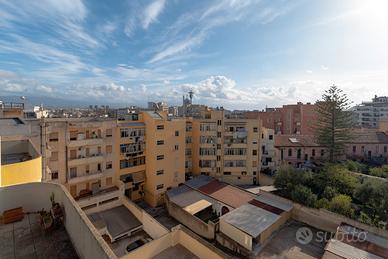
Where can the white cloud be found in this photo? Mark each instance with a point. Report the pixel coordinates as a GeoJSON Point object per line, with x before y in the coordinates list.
{"type": "Point", "coordinates": [45, 89]}
{"type": "Point", "coordinates": [324, 67]}
{"type": "Point", "coordinates": [151, 13]}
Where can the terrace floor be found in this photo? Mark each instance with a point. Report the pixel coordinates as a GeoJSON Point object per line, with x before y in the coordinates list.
{"type": "Point", "coordinates": [285, 245]}
{"type": "Point", "coordinates": [26, 239]}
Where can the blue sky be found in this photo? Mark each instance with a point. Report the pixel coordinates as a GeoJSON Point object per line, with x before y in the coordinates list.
{"type": "Point", "coordinates": [239, 54]}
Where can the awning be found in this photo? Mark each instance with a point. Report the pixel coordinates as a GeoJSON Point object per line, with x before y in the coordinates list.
{"type": "Point", "coordinates": [197, 206]}
{"type": "Point", "coordinates": [138, 177]}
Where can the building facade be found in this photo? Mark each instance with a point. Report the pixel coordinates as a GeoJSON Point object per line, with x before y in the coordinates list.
{"type": "Point", "coordinates": [289, 119]}
{"type": "Point", "coordinates": [224, 148]}
{"type": "Point", "coordinates": [368, 114]}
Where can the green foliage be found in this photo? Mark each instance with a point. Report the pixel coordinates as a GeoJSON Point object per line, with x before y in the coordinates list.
{"type": "Point", "coordinates": [322, 203]}
{"type": "Point", "coordinates": [342, 204]}
{"type": "Point", "coordinates": [341, 179]}
{"type": "Point", "coordinates": [379, 171]}
{"type": "Point", "coordinates": [303, 195]}
{"type": "Point", "coordinates": [334, 121]}
{"type": "Point", "coordinates": [354, 166]}
{"type": "Point", "coordinates": [329, 193]}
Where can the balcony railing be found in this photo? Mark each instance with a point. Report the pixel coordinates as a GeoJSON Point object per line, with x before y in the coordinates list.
{"type": "Point", "coordinates": [94, 158]}
{"type": "Point", "coordinates": [77, 178]}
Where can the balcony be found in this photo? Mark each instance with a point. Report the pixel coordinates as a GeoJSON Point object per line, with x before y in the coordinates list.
{"type": "Point", "coordinates": [86, 142]}
{"type": "Point", "coordinates": [89, 176]}
{"type": "Point", "coordinates": [100, 197]}
{"type": "Point", "coordinates": [94, 158]}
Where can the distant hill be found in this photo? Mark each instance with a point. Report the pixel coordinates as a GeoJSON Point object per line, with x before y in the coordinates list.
{"type": "Point", "coordinates": [52, 102]}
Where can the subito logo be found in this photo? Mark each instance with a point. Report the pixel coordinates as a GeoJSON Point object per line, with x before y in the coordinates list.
{"type": "Point", "coordinates": [304, 235]}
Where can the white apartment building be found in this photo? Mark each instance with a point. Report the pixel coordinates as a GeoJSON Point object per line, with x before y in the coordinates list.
{"type": "Point", "coordinates": [368, 114]}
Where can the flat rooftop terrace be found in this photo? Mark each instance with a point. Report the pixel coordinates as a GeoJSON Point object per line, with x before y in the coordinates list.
{"type": "Point", "coordinates": [177, 251]}
{"type": "Point", "coordinates": [284, 244]}
{"type": "Point", "coordinates": [26, 239]}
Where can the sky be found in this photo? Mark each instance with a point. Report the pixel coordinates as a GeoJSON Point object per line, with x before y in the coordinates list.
{"type": "Point", "coordinates": [240, 54]}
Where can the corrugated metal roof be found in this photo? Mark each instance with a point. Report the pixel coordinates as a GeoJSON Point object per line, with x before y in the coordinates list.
{"type": "Point", "coordinates": [184, 196]}
{"type": "Point", "coordinates": [283, 205]}
{"type": "Point", "coordinates": [347, 251]}
{"type": "Point", "coordinates": [250, 219]}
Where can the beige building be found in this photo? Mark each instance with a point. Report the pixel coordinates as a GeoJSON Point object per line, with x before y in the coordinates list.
{"type": "Point", "coordinates": [225, 148]}
{"type": "Point", "coordinates": [141, 156]}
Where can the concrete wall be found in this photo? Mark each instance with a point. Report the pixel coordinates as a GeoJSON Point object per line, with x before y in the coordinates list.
{"type": "Point", "coordinates": [35, 196]}
{"type": "Point", "coordinates": [190, 221]}
{"type": "Point", "coordinates": [329, 221]}
{"type": "Point", "coordinates": [266, 180]}
{"type": "Point", "coordinates": [150, 225]}
{"type": "Point", "coordinates": [237, 235]}
{"type": "Point", "coordinates": [182, 236]}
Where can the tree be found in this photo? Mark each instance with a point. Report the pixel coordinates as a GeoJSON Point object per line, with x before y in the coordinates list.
{"type": "Point", "coordinates": [303, 195]}
{"type": "Point", "coordinates": [342, 204]}
{"type": "Point", "coordinates": [334, 122]}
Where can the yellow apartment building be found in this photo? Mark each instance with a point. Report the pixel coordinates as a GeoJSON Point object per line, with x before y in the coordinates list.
{"type": "Point", "coordinates": [226, 148]}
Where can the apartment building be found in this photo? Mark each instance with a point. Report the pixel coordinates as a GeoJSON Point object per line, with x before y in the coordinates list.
{"type": "Point", "coordinates": [369, 114]}
{"type": "Point", "coordinates": [268, 151]}
{"type": "Point", "coordinates": [225, 148]}
{"type": "Point", "coordinates": [79, 154]}
{"type": "Point", "coordinates": [151, 156]}
{"type": "Point", "coordinates": [11, 110]}
{"type": "Point", "coordinates": [289, 119]}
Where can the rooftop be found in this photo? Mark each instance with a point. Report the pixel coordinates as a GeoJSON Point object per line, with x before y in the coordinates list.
{"type": "Point", "coordinates": [118, 221]}
{"type": "Point", "coordinates": [250, 219]}
{"type": "Point", "coordinates": [295, 141]}
{"type": "Point", "coordinates": [25, 239]}
{"type": "Point", "coordinates": [177, 251]}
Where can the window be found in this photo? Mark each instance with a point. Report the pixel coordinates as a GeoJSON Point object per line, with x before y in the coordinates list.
{"type": "Point", "coordinates": [124, 133]}
{"type": "Point", "coordinates": [254, 163]}
{"type": "Point", "coordinates": [160, 142]}
{"type": "Point", "coordinates": [362, 149]}
{"type": "Point", "coordinates": [108, 133]}
{"type": "Point", "coordinates": [218, 158]}
{"type": "Point", "coordinates": [126, 163]}
{"type": "Point", "coordinates": [176, 133]}
{"type": "Point", "coordinates": [289, 152]}
{"type": "Point", "coordinates": [176, 147]}
{"type": "Point", "coordinates": [160, 127]}
{"type": "Point", "coordinates": [188, 152]}
{"type": "Point", "coordinates": [108, 149]}
{"type": "Point", "coordinates": [254, 152]}
{"type": "Point", "coordinates": [207, 151]}
{"type": "Point", "coordinates": [270, 137]}
{"type": "Point", "coordinates": [218, 146]}
{"type": "Point", "coordinates": [255, 129]}
{"type": "Point", "coordinates": [108, 181]}
{"type": "Point", "coordinates": [313, 152]}
{"type": "Point", "coordinates": [160, 157]}
{"type": "Point", "coordinates": [73, 172]}
{"type": "Point", "coordinates": [53, 137]}
{"type": "Point", "coordinates": [218, 134]}
{"type": "Point", "coordinates": [299, 153]}
{"type": "Point", "coordinates": [322, 152]}
{"type": "Point", "coordinates": [159, 186]}
{"type": "Point", "coordinates": [219, 122]}
{"type": "Point", "coordinates": [108, 165]}
{"type": "Point", "coordinates": [159, 172]}
{"type": "Point", "coordinates": [54, 156]}
{"type": "Point", "coordinates": [54, 175]}
{"type": "Point", "coordinates": [227, 173]}
{"type": "Point", "coordinates": [354, 149]}
{"type": "Point", "coordinates": [235, 151]}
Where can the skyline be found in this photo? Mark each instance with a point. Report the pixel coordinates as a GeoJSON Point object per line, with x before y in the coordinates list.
{"type": "Point", "coordinates": [236, 54]}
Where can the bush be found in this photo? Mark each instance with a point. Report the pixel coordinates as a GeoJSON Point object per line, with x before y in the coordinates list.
{"type": "Point", "coordinates": [303, 195]}
{"type": "Point", "coordinates": [329, 192]}
{"type": "Point", "coordinates": [354, 166]}
{"type": "Point", "coordinates": [341, 179]}
{"type": "Point", "coordinates": [322, 203]}
{"type": "Point", "coordinates": [342, 204]}
{"type": "Point", "coordinates": [379, 171]}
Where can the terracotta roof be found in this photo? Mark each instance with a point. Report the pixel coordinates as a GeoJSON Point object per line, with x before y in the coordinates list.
{"type": "Point", "coordinates": [226, 193]}
{"type": "Point", "coordinates": [295, 141]}
{"type": "Point", "coordinates": [370, 136]}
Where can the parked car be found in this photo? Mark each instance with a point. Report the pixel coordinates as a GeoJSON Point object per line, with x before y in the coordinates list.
{"type": "Point", "coordinates": [134, 245]}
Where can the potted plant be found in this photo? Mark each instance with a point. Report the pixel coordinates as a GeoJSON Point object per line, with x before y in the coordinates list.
{"type": "Point", "coordinates": [55, 206]}
{"type": "Point", "coordinates": [46, 220]}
